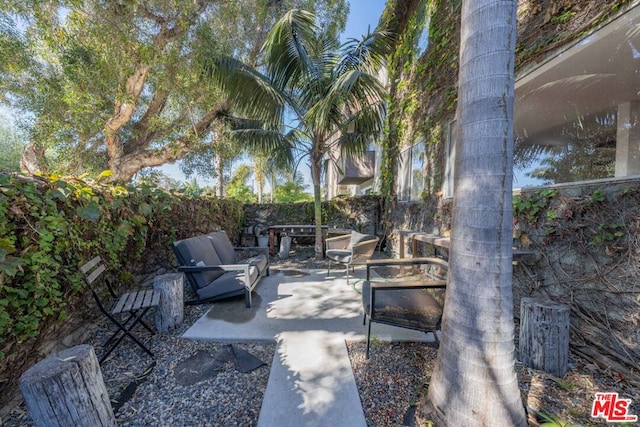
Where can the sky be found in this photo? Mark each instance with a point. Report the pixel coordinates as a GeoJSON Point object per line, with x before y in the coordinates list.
{"type": "Point", "coordinates": [362, 15]}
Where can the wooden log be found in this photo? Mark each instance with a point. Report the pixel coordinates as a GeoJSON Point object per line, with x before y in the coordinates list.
{"type": "Point", "coordinates": [67, 389]}
{"type": "Point", "coordinates": [607, 363]}
{"type": "Point", "coordinates": [544, 335]}
{"type": "Point", "coordinates": [170, 311]}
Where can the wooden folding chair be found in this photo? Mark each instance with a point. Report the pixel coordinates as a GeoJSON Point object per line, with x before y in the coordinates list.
{"type": "Point", "coordinates": [134, 303]}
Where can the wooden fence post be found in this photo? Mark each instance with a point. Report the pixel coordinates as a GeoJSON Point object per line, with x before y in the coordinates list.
{"type": "Point", "coordinates": [67, 390]}
{"type": "Point", "coordinates": [544, 335]}
{"type": "Point", "coordinates": [170, 311]}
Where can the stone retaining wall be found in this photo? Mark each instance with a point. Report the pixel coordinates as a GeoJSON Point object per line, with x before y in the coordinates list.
{"type": "Point", "coordinates": [355, 213]}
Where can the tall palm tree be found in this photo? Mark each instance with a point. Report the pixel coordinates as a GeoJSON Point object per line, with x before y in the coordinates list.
{"type": "Point", "coordinates": [330, 95]}
{"type": "Point", "coordinates": [474, 381]}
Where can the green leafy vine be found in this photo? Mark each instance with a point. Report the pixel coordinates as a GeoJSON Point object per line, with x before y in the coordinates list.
{"type": "Point", "coordinates": [52, 225]}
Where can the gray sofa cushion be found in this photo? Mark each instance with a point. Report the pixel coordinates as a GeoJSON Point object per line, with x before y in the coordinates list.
{"type": "Point", "coordinates": [228, 283]}
{"type": "Point", "coordinates": [339, 255]}
{"type": "Point", "coordinates": [199, 250]}
{"type": "Point", "coordinates": [357, 238]}
{"type": "Point", "coordinates": [231, 282]}
{"type": "Point", "coordinates": [227, 253]}
{"type": "Point", "coordinates": [223, 247]}
{"type": "Point", "coordinates": [258, 261]}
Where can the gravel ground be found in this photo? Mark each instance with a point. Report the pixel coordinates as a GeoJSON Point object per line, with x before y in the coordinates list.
{"type": "Point", "coordinates": [223, 396]}
{"type": "Point", "coordinates": [392, 383]}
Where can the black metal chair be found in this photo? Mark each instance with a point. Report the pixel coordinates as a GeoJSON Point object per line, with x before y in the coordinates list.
{"type": "Point", "coordinates": [135, 304]}
{"type": "Point", "coordinates": [404, 303]}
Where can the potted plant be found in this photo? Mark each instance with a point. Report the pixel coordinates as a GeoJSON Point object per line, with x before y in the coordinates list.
{"type": "Point", "coordinates": [262, 234]}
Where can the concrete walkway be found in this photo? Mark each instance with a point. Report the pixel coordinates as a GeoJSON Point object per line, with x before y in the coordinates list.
{"type": "Point", "coordinates": [310, 315]}
{"type": "Point", "coordinates": [311, 383]}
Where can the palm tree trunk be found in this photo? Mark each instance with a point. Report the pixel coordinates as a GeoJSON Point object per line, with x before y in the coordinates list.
{"type": "Point", "coordinates": [316, 167]}
{"type": "Point", "coordinates": [259, 173]}
{"type": "Point", "coordinates": [474, 381]}
{"type": "Point", "coordinates": [272, 180]}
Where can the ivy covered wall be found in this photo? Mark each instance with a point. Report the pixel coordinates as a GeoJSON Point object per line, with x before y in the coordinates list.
{"type": "Point", "coordinates": [584, 236]}
{"type": "Point", "coordinates": [423, 90]}
{"type": "Point", "coordinates": [50, 226]}
{"type": "Point", "coordinates": [404, 21]}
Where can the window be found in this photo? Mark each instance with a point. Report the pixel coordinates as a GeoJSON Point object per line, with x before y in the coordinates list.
{"type": "Point", "coordinates": [411, 173]}
{"type": "Point", "coordinates": [423, 40]}
{"type": "Point", "coordinates": [577, 116]}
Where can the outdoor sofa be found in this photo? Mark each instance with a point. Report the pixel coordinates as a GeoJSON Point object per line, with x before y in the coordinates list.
{"type": "Point", "coordinates": [213, 271]}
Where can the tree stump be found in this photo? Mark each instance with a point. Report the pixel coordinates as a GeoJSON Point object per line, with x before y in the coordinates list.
{"type": "Point", "coordinates": [170, 311]}
{"type": "Point", "coordinates": [285, 247]}
{"type": "Point", "coordinates": [67, 389]}
{"type": "Point", "coordinates": [544, 335]}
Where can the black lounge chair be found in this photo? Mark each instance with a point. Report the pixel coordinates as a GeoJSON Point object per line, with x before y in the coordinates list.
{"type": "Point", "coordinates": [406, 304]}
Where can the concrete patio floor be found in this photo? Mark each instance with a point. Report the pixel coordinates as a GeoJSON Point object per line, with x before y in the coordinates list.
{"type": "Point", "coordinates": [310, 314]}
{"type": "Point", "coordinates": [296, 300]}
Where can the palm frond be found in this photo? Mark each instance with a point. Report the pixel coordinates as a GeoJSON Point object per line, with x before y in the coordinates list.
{"type": "Point", "coordinates": [368, 53]}
{"type": "Point", "coordinates": [357, 85]}
{"type": "Point", "coordinates": [281, 148]}
{"type": "Point", "coordinates": [250, 92]}
{"type": "Point", "coordinates": [259, 139]}
{"type": "Point", "coordinates": [362, 128]}
{"type": "Point", "coordinates": [285, 49]}
{"type": "Point", "coordinates": [526, 153]}
{"type": "Point", "coordinates": [321, 74]}
{"type": "Point", "coordinates": [348, 95]}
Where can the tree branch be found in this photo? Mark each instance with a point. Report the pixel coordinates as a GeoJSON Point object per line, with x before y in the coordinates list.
{"type": "Point", "coordinates": [156, 106]}
{"type": "Point", "coordinates": [124, 110]}
{"type": "Point", "coordinates": [135, 160]}
{"type": "Point", "coordinates": [168, 33]}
